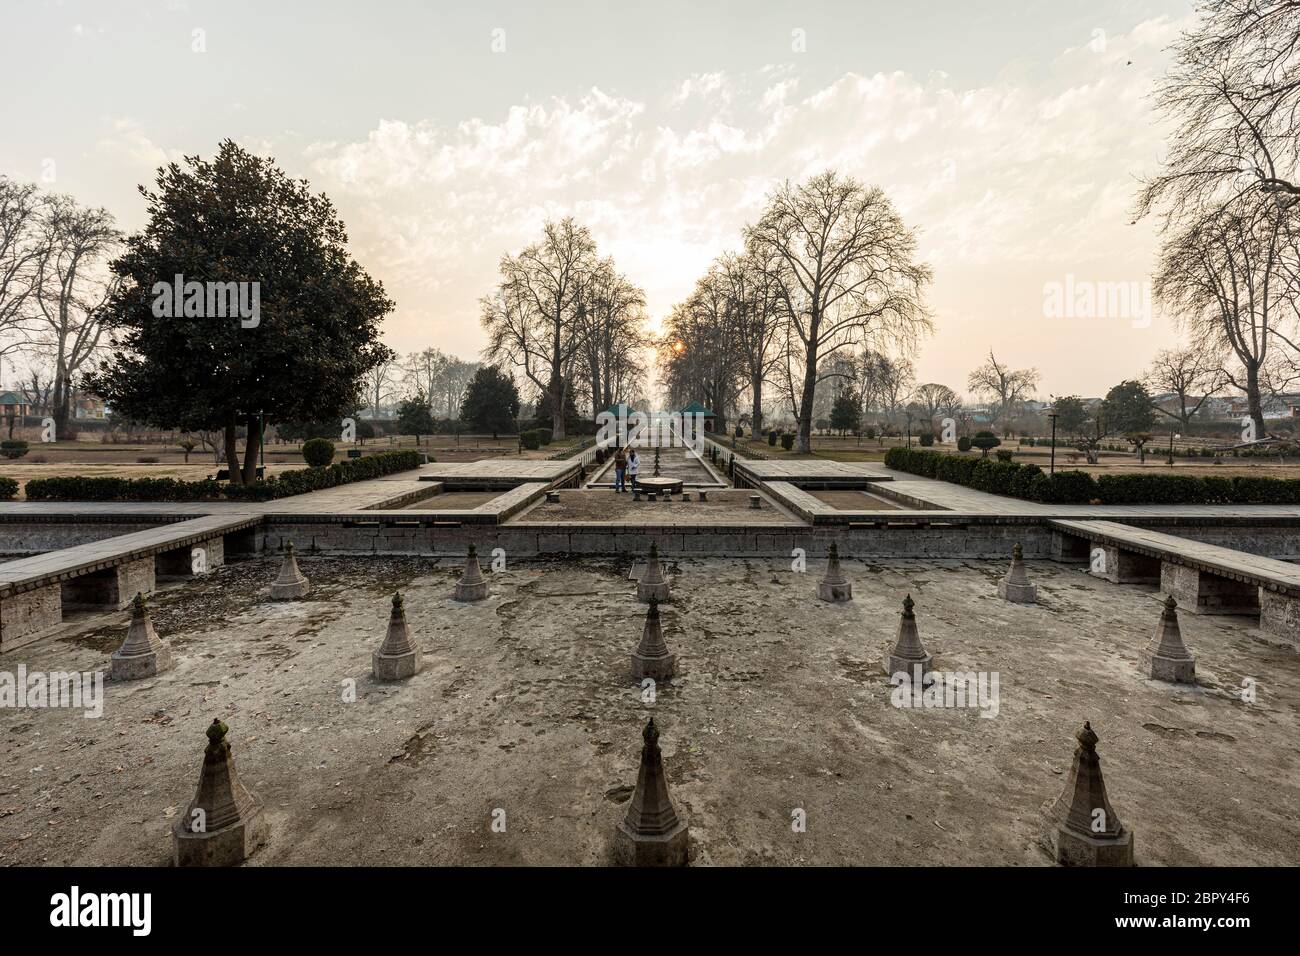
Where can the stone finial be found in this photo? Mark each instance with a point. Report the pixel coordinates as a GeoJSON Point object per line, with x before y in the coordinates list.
{"type": "Point", "coordinates": [143, 653]}
{"type": "Point", "coordinates": [1166, 657]}
{"type": "Point", "coordinates": [651, 834]}
{"type": "Point", "coordinates": [1015, 587]}
{"type": "Point", "coordinates": [398, 657]}
{"type": "Point", "coordinates": [1086, 829]}
{"type": "Point", "coordinates": [291, 584]}
{"type": "Point", "coordinates": [834, 586]}
{"type": "Point", "coordinates": [224, 823]}
{"type": "Point", "coordinates": [652, 583]}
{"type": "Point", "coordinates": [652, 657]}
{"type": "Point", "coordinates": [472, 586]}
{"type": "Point", "coordinates": [908, 652]}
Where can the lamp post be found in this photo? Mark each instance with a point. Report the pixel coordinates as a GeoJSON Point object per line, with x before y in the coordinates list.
{"type": "Point", "coordinates": [1172, 436]}
{"type": "Point", "coordinates": [1052, 467]}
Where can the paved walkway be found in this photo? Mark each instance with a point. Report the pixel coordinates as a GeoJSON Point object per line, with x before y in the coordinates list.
{"type": "Point", "coordinates": [1266, 572]}
{"type": "Point", "coordinates": [41, 569]}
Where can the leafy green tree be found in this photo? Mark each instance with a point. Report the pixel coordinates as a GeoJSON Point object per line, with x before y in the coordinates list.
{"type": "Point", "coordinates": [306, 330]}
{"type": "Point", "coordinates": [984, 441]}
{"type": "Point", "coordinates": [491, 402]}
{"type": "Point", "coordinates": [845, 414]}
{"type": "Point", "coordinates": [414, 417]}
{"type": "Point", "coordinates": [1071, 414]}
{"type": "Point", "coordinates": [1128, 411]}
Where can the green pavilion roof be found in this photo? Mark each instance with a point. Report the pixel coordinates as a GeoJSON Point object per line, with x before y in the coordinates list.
{"type": "Point", "coordinates": [695, 408]}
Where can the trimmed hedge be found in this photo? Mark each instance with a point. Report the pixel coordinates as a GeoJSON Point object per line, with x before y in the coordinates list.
{"type": "Point", "coordinates": [1079, 487]}
{"type": "Point", "coordinates": [8, 488]}
{"type": "Point", "coordinates": [74, 488]}
{"type": "Point", "coordinates": [170, 489]}
{"type": "Point", "coordinates": [315, 479]}
{"type": "Point", "coordinates": [996, 477]}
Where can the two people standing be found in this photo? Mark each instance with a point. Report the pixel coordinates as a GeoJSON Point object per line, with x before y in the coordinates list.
{"type": "Point", "coordinates": [625, 465]}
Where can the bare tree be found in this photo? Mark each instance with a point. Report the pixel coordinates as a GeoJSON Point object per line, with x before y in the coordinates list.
{"type": "Point", "coordinates": [1190, 375]}
{"type": "Point", "coordinates": [613, 335]}
{"type": "Point", "coordinates": [381, 384]}
{"type": "Point", "coordinates": [934, 398]}
{"type": "Point", "coordinates": [1233, 98]}
{"type": "Point", "coordinates": [893, 378]}
{"type": "Point", "coordinates": [533, 318]}
{"type": "Point", "coordinates": [699, 355]}
{"type": "Point", "coordinates": [1223, 278]}
{"type": "Point", "coordinates": [1003, 385]}
{"type": "Point", "coordinates": [753, 289]}
{"type": "Point", "coordinates": [846, 272]}
{"type": "Point", "coordinates": [21, 208]}
{"type": "Point", "coordinates": [72, 287]}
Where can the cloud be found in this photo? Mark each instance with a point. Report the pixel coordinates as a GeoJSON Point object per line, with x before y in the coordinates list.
{"type": "Point", "coordinates": [1011, 183]}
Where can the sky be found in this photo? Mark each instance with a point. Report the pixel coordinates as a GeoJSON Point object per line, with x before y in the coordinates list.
{"type": "Point", "coordinates": [1012, 136]}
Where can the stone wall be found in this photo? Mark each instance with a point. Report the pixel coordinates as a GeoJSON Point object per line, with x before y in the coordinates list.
{"type": "Point", "coordinates": [37, 537]}
{"type": "Point", "coordinates": [993, 540]}
{"type": "Point", "coordinates": [25, 617]}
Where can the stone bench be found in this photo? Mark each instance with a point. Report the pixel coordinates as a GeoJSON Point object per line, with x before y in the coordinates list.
{"type": "Point", "coordinates": [1202, 578]}
{"type": "Point", "coordinates": [107, 574]}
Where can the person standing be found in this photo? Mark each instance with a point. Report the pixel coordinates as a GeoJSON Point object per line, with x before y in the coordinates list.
{"type": "Point", "coordinates": [633, 463]}
{"type": "Point", "coordinates": [620, 468]}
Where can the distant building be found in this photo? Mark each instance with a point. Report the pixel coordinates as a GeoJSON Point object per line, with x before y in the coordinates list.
{"type": "Point", "coordinates": [13, 405]}
{"type": "Point", "coordinates": [695, 408]}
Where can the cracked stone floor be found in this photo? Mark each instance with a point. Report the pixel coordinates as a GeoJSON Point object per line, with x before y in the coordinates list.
{"type": "Point", "coordinates": [524, 705]}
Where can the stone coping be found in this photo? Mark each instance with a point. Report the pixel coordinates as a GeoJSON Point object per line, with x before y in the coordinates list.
{"type": "Point", "coordinates": [1268, 573]}
{"type": "Point", "coordinates": [42, 569]}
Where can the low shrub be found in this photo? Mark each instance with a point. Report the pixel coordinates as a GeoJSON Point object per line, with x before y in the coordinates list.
{"type": "Point", "coordinates": [13, 448]}
{"type": "Point", "coordinates": [771, 438]}
{"type": "Point", "coordinates": [8, 489]}
{"type": "Point", "coordinates": [927, 439]}
{"type": "Point", "coordinates": [318, 452]}
{"type": "Point", "coordinates": [1003, 454]}
{"type": "Point", "coordinates": [963, 443]}
{"type": "Point", "coordinates": [787, 441]}
{"type": "Point", "coordinates": [544, 435]}
{"type": "Point", "coordinates": [530, 440]}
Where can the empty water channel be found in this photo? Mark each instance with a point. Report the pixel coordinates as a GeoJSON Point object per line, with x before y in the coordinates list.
{"type": "Point", "coordinates": [675, 462]}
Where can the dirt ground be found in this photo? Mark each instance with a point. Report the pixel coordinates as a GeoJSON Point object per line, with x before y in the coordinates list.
{"type": "Point", "coordinates": [856, 501]}
{"type": "Point", "coordinates": [454, 500]}
{"type": "Point", "coordinates": [725, 506]}
{"type": "Point", "coordinates": [525, 706]}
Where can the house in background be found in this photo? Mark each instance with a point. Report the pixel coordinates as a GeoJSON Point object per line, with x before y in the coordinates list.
{"type": "Point", "coordinates": [88, 408]}
{"type": "Point", "coordinates": [13, 405]}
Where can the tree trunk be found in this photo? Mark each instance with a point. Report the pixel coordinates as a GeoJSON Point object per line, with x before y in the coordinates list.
{"type": "Point", "coordinates": [756, 386]}
{"type": "Point", "coordinates": [557, 411]}
{"type": "Point", "coordinates": [252, 445]}
{"type": "Point", "coordinates": [803, 441]}
{"type": "Point", "coordinates": [232, 454]}
{"type": "Point", "coordinates": [1252, 397]}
